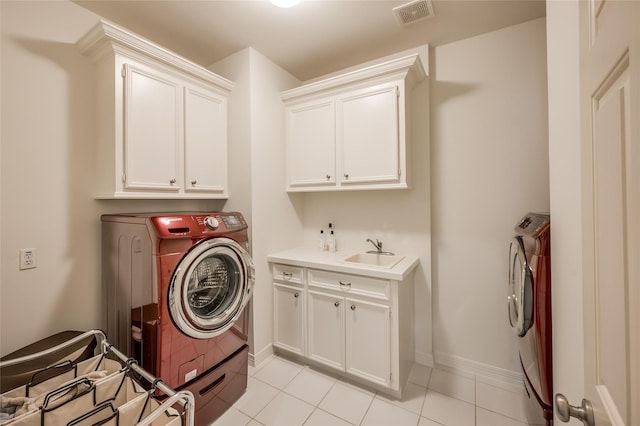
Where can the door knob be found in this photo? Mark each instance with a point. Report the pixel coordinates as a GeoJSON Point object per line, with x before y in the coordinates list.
{"type": "Point", "coordinates": [566, 411]}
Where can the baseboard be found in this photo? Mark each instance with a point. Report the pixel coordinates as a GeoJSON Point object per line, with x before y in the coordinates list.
{"type": "Point", "coordinates": [484, 373]}
{"type": "Point", "coordinates": [424, 358]}
{"type": "Point", "coordinates": [256, 359]}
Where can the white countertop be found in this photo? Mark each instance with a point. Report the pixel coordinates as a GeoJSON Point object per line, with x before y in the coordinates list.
{"type": "Point", "coordinates": [312, 258]}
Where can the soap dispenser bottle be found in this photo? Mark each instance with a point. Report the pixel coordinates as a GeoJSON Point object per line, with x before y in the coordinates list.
{"type": "Point", "coordinates": [322, 246]}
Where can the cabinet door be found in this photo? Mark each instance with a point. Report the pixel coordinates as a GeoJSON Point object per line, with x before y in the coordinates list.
{"type": "Point", "coordinates": [289, 322]}
{"type": "Point", "coordinates": [311, 144]}
{"type": "Point", "coordinates": [368, 135]}
{"type": "Point", "coordinates": [151, 129]}
{"type": "Point", "coordinates": [368, 333]}
{"type": "Point", "coordinates": [326, 329]}
{"type": "Point", "coordinates": [205, 141]}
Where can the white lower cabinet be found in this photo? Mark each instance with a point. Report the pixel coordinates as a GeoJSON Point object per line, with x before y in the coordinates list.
{"type": "Point", "coordinates": [368, 340]}
{"type": "Point", "coordinates": [289, 309]}
{"type": "Point", "coordinates": [326, 329]}
{"type": "Point", "coordinates": [357, 326]}
{"type": "Point", "coordinates": [289, 318]}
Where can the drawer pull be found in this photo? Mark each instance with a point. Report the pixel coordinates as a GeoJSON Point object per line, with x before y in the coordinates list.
{"type": "Point", "coordinates": [344, 284]}
{"type": "Point", "coordinates": [287, 275]}
{"type": "Point", "coordinates": [353, 307]}
{"type": "Point", "coordinates": [336, 304]}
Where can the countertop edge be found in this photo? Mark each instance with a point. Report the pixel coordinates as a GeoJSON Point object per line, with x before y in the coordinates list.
{"type": "Point", "coordinates": [307, 258]}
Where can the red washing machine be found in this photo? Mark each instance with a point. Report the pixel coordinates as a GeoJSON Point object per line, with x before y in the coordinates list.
{"type": "Point", "coordinates": [529, 306]}
{"type": "Point", "coordinates": [178, 287]}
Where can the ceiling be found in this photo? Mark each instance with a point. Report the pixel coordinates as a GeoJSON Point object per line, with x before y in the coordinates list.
{"type": "Point", "coordinates": [316, 37]}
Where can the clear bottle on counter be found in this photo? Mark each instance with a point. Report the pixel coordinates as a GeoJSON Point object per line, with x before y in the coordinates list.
{"type": "Point", "coordinates": [331, 242]}
{"type": "Point", "coordinates": [322, 245]}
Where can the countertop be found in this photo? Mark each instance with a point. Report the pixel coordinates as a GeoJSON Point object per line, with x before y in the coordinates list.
{"type": "Point", "coordinates": [312, 258]}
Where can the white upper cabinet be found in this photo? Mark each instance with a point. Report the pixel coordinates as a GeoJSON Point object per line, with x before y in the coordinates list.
{"type": "Point", "coordinates": [151, 129]}
{"type": "Point", "coordinates": [368, 134]}
{"type": "Point", "coordinates": [311, 147]}
{"type": "Point", "coordinates": [205, 138]}
{"type": "Point", "coordinates": [162, 124]}
{"type": "Point", "coordinates": [349, 131]}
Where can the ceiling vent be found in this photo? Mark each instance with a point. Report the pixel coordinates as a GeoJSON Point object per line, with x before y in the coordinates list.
{"type": "Point", "coordinates": [414, 11]}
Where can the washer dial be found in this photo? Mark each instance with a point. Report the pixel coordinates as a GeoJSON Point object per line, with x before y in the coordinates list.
{"type": "Point", "coordinates": [211, 222]}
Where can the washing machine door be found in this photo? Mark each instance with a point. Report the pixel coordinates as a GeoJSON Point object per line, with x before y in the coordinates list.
{"type": "Point", "coordinates": [520, 293]}
{"type": "Point", "coordinates": [210, 287]}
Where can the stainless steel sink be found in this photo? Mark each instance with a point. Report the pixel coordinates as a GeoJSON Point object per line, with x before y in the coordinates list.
{"type": "Point", "coordinates": [374, 259]}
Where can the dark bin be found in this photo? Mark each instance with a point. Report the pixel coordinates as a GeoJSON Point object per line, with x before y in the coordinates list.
{"type": "Point", "coordinates": [36, 370]}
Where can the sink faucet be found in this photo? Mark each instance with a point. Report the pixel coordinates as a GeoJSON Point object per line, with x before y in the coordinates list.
{"type": "Point", "coordinates": [377, 244]}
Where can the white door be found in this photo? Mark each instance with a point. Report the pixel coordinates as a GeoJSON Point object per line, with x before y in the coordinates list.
{"type": "Point", "coordinates": [610, 143]}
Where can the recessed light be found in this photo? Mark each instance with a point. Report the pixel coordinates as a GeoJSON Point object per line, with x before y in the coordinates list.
{"type": "Point", "coordinates": [285, 3]}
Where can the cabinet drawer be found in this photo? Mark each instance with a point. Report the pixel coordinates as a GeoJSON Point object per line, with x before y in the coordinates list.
{"type": "Point", "coordinates": [286, 273]}
{"type": "Point", "coordinates": [353, 284]}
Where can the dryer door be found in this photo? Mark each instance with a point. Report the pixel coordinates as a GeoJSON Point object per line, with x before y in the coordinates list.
{"type": "Point", "coordinates": [210, 287]}
{"type": "Point", "coordinates": [520, 293]}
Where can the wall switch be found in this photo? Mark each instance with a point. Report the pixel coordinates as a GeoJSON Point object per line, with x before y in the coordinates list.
{"type": "Point", "coordinates": [27, 258]}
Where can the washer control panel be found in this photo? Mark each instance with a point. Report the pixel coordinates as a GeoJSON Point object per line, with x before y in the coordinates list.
{"type": "Point", "coordinates": [533, 224]}
{"type": "Point", "coordinates": [198, 224]}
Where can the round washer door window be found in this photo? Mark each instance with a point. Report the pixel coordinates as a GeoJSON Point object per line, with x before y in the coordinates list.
{"type": "Point", "coordinates": [210, 287]}
{"type": "Point", "coordinates": [520, 294]}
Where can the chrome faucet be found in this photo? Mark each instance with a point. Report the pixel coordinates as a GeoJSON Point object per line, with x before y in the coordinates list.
{"type": "Point", "coordinates": [377, 244]}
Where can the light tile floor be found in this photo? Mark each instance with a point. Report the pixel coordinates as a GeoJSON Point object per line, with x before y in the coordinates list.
{"type": "Point", "coordinates": [283, 393]}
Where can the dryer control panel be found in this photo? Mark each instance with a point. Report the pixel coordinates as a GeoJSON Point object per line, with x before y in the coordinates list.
{"type": "Point", "coordinates": [533, 224]}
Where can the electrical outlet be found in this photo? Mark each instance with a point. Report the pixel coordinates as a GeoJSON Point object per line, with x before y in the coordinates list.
{"type": "Point", "coordinates": [27, 258]}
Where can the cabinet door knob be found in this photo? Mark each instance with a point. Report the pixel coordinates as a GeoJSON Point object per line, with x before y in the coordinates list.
{"type": "Point", "coordinates": [172, 181]}
{"type": "Point", "coordinates": [336, 304]}
{"type": "Point", "coordinates": [193, 182]}
{"type": "Point", "coordinates": [346, 175]}
{"type": "Point", "coordinates": [296, 295]}
{"type": "Point", "coordinates": [353, 307]}
{"type": "Point", "coordinates": [328, 177]}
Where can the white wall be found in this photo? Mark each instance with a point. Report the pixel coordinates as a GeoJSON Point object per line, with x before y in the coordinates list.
{"type": "Point", "coordinates": [257, 133]}
{"type": "Point", "coordinates": [48, 129]}
{"type": "Point", "coordinates": [489, 167]}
